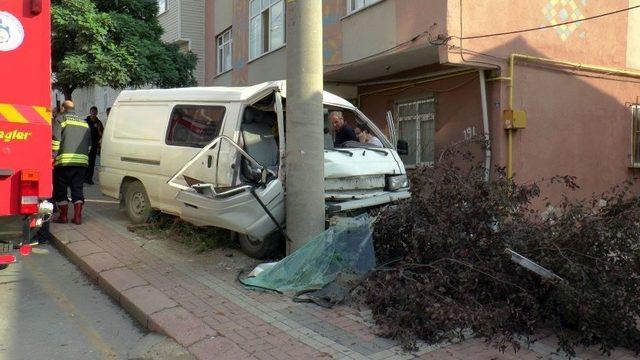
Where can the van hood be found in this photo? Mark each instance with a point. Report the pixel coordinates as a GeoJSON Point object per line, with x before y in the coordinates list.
{"type": "Point", "coordinates": [340, 163]}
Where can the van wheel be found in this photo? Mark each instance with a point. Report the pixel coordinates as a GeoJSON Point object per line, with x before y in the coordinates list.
{"type": "Point", "coordinates": [259, 248]}
{"type": "Point", "coordinates": [136, 203]}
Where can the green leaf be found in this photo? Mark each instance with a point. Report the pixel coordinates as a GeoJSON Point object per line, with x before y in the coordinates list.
{"type": "Point", "coordinates": [114, 43]}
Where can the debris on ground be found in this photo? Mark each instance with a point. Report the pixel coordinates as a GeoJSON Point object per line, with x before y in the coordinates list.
{"type": "Point", "coordinates": [200, 238]}
{"type": "Point", "coordinates": [343, 252]}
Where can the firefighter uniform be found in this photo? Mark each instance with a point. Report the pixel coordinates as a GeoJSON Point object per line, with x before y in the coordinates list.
{"type": "Point", "coordinates": [71, 144]}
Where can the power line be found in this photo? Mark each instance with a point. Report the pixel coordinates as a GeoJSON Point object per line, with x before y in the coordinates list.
{"type": "Point", "coordinates": [420, 85]}
{"type": "Point", "coordinates": [413, 39]}
{"type": "Point", "coordinates": [547, 26]}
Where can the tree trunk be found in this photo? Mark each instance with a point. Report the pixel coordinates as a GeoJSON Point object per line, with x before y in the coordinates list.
{"type": "Point", "coordinates": [67, 91]}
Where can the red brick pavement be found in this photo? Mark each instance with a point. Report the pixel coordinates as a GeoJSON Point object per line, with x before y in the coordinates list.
{"type": "Point", "coordinates": [199, 304]}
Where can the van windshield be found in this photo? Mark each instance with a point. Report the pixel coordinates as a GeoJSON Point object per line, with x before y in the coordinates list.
{"type": "Point", "coordinates": [344, 129]}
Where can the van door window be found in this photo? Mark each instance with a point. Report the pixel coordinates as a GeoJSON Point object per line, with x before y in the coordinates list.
{"type": "Point", "coordinates": [259, 138]}
{"type": "Point", "coordinates": [194, 125]}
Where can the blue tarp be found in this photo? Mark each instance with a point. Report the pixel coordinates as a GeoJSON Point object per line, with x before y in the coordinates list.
{"type": "Point", "coordinates": [344, 248]}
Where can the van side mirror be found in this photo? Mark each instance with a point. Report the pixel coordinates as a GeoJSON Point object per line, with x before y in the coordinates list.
{"type": "Point", "coordinates": [403, 147]}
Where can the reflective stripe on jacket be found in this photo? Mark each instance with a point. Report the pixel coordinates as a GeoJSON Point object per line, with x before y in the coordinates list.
{"type": "Point", "coordinates": [71, 140]}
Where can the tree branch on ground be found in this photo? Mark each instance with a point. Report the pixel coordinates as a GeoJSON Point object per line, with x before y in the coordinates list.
{"type": "Point", "coordinates": [446, 269]}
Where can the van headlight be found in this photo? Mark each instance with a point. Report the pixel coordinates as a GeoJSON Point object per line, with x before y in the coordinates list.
{"type": "Point", "coordinates": [396, 182]}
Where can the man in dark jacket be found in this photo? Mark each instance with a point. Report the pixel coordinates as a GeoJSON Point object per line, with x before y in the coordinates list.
{"type": "Point", "coordinates": [71, 144]}
{"type": "Point", "coordinates": [96, 136]}
{"type": "Point", "coordinates": [343, 131]}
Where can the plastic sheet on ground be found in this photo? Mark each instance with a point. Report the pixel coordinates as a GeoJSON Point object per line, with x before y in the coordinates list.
{"type": "Point", "coordinates": [345, 248]}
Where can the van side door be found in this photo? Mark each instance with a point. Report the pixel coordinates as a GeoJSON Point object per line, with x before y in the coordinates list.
{"type": "Point", "coordinates": [238, 208]}
{"type": "Point", "coordinates": [190, 127]}
{"type": "Point", "coordinates": [247, 193]}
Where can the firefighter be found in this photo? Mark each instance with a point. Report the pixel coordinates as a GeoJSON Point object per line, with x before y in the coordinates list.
{"type": "Point", "coordinates": [71, 145]}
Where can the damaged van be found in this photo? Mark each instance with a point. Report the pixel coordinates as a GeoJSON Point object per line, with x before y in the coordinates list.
{"type": "Point", "coordinates": [215, 157]}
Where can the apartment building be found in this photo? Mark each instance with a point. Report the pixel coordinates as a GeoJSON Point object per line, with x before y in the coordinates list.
{"type": "Point", "coordinates": [443, 67]}
{"type": "Point", "coordinates": [183, 23]}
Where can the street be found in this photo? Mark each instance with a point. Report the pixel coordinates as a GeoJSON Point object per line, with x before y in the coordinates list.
{"type": "Point", "coordinates": [51, 311]}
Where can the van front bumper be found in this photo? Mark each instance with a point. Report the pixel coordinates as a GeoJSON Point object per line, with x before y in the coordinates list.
{"type": "Point", "coordinates": [387, 197]}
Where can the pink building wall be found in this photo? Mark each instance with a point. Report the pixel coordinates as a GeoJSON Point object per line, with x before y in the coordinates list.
{"type": "Point", "coordinates": [578, 123]}
{"type": "Point", "coordinates": [457, 105]}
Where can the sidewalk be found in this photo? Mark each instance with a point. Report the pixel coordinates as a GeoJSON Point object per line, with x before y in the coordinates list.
{"type": "Point", "coordinates": [195, 299]}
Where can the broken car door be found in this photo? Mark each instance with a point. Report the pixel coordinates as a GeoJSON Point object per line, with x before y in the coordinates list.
{"type": "Point", "coordinates": [250, 168]}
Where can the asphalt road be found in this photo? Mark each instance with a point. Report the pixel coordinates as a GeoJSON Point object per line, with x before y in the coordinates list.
{"type": "Point", "coordinates": [50, 310]}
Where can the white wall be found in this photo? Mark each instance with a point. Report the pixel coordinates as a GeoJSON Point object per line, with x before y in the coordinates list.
{"type": "Point", "coordinates": [375, 24]}
{"type": "Point", "coordinates": [272, 66]}
{"type": "Point", "coordinates": [192, 30]}
{"type": "Point", "coordinates": [170, 21]}
{"type": "Point", "coordinates": [98, 96]}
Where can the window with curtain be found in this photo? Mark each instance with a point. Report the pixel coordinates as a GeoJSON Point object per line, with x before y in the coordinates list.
{"type": "Point", "coordinates": [266, 26]}
{"type": "Point", "coordinates": [224, 43]}
{"type": "Point", "coordinates": [417, 126]}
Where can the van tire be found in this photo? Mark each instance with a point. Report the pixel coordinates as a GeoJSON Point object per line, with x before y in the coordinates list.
{"type": "Point", "coordinates": [136, 203]}
{"type": "Point", "coordinates": [260, 249]}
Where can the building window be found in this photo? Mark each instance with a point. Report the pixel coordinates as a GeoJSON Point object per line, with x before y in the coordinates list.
{"type": "Point", "coordinates": [266, 26]}
{"type": "Point", "coordinates": [194, 125]}
{"type": "Point", "coordinates": [355, 5]}
{"type": "Point", "coordinates": [417, 126]}
{"type": "Point", "coordinates": [223, 58]}
{"type": "Point", "coordinates": [162, 6]}
{"type": "Point", "coordinates": [635, 152]}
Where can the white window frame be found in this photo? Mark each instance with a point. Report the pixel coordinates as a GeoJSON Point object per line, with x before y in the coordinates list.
{"type": "Point", "coordinates": [419, 119]}
{"type": "Point", "coordinates": [224, 40]}
{"type": "Point", "coordinates": [265, 8]}
{"type": "Point", "coordinates": [162, 6]}
{"type": "Point", "coordinates": [357, 5]}
{"type": "Point", "coordinates": [635, 136]}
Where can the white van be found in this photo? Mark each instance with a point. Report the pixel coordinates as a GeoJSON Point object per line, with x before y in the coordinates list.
{"type": "Point", "coordinates": [214, 157]}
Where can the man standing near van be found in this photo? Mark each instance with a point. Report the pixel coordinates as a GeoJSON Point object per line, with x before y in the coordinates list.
{"type": "Point", "coordinates": [96, 136]}
{"type": "Point", "coordinates": [71, 145]}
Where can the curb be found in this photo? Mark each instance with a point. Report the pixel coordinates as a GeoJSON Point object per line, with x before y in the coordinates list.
{"type": "Point", "coordinates": [154, 310]}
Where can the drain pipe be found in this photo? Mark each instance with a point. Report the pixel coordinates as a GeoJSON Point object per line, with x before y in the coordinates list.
{"type": "Point", "coordinates": [512, 60]}
{"type": "Point", "coordinates": [485, 124]}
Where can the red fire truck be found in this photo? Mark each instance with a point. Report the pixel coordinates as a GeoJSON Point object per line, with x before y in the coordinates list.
{"type": "Point", "coordinates": [25, 123]}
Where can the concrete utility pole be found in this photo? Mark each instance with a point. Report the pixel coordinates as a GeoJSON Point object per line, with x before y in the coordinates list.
{"type": "Point", "coordinates": [305, 136]}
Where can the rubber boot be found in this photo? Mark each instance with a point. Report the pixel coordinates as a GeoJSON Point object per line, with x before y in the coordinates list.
{"type": "Point", "coordinates": [77, 213]}
{"type": "Point", "coordinates": [62, 214]}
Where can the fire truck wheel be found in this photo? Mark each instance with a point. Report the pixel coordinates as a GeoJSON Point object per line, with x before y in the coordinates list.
{"type": "Point", "coordinates": [259, 248]}
{"type": "Point", "coordinates": [136, 203]}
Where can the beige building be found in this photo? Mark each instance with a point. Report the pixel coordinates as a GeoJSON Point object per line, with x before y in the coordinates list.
{"type": "Point", "coordinates": [183, 23]}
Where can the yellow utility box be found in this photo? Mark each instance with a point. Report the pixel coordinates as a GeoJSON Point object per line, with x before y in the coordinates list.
{"type": "Point", "coordinates": [514, 119]}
